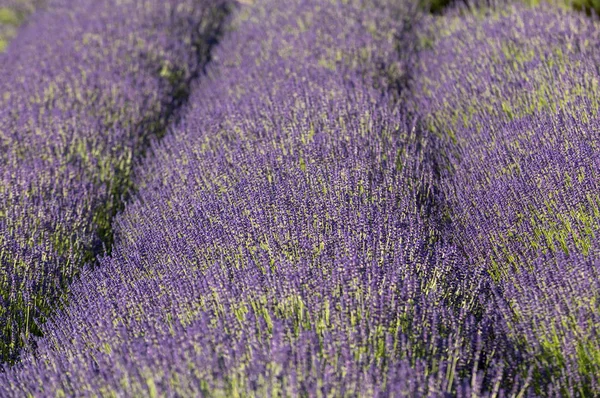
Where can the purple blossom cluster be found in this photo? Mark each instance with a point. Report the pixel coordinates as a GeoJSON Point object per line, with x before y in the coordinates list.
{"type": "Point", "coordinates": [352, 198]}
{"type": "Point", "coordinates": [280, 242]}
{"type": "Point", "coordinates": [518, 163]}
{"type": "Point", "coordinates": [84, 88]}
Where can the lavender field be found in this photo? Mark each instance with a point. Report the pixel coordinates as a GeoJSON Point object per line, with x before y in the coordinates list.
{"type": "Point", "coordinates": [312, 198]}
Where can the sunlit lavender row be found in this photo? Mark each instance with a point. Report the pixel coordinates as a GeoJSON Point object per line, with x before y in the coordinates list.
{"type": "Point", "coordinates": [281, 243]}
{"type": "Point", "coordinates": [303, 198]}
{"type": "Point", "coordinates": [85, 86]}
{"type": "Point", "coordinates": [513, 100]}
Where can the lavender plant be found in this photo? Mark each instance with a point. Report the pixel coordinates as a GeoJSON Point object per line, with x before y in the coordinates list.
{"type": "Point", "coordinates": [333, 214]}
{"type": "Point", "coordinates": [535, 64]}
{"type": "Point", "coordinates": [513, 103]}
{"type": "Point", "coordinates": [281, 241]}
{"type": "Point", "coordinates": [85, 87]}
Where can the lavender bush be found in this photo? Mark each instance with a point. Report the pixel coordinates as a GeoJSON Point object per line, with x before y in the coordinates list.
{"type": "Point", "coordinates": [358, 199]}
{"type": "Point", "coordinates": [281, 242]}
{"type": "Point", "coordinates": [512, 99]}
{"type": "Point", "coordinates": [85, 87]}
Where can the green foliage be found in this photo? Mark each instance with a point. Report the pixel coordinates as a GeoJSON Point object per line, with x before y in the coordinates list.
{"type": "Point", "coordinates": [9, 16]}
{"type": "Point", "coordinates": [588, 6]}
{"type": "Point", "coordinates": [435, 6]}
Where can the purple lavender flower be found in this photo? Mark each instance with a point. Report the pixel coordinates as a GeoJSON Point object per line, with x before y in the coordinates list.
{"type": "Point", "coordinates": [85, 87]}
{"type": "Point", "coordinates": [280, 241]}
{"type": "Point", "coordinates": [512, 101]}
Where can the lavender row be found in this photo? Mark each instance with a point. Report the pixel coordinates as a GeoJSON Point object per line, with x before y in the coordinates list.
{"type": "Point", "coordinates": [315, 278]}
{"type": "Point", "coordinates": [85, 87]}
{"type": "Point", "coordinates": [512, 99]}
{"type": "Point", "coordinates": [280, 242]}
